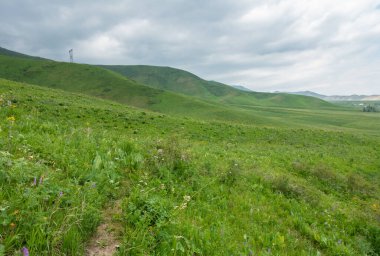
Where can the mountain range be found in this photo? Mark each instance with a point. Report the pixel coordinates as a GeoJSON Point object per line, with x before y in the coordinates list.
{"type": "Point", "coordinates": [339, 97]}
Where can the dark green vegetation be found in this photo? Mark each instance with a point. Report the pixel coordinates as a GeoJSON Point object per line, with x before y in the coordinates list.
{"type": "Point", "coordinates": [359, 105]}
{"type": "Point", "coordinates": [183, 82]}
{"type": "Point", "coordinates": [370, 108]}
{"type": "Point", "coordinates": [285, 182]}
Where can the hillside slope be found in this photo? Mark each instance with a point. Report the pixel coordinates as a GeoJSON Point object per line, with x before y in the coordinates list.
{"type": "Point", "coordinates": [7, 52]}
{"type": "Point", "coordinates": [103, 83]}
{"type": "Point", "coordinates": [177, 186]}
{"type": "Point", "coordinates": [181, 81]}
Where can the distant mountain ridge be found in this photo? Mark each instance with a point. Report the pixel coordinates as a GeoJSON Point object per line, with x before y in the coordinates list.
{"type": "Point", "coordinates": [242, 88]}
{"type": "Point", "coordinates": [339, 97]}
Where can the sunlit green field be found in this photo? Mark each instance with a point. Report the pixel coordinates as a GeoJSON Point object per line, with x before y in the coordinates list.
{"type": "Point", "coordinates": [288, 182]}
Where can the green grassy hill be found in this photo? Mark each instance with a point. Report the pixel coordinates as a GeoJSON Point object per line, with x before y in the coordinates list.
{"type": "Point", "coordinates": [163, 185]}
{"type": "Point", "coordinates": [7, 52]}
{"type": "Point", "coordinates": [183, 82]}
{"type": "Point", "coordinates": [99, 82]}
{"type": "Point", "coordinates": [106, 84]}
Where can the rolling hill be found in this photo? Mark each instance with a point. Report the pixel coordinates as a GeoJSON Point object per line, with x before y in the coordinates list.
{"type": "Point", "coordinates": [48, 73]}
{"type": "Point", "coordinates": [100, 82]}
{"type": "Point", "coordinates": [106, 84]}
{"type": "Point", "coordinates": [183, 82]}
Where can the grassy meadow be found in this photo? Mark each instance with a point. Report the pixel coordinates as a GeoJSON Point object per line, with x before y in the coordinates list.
{"type": "Point", "coordinates": [290, 182]}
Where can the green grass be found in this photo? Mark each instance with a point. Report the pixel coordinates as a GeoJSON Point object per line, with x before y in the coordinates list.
{"type": "Point", "coordinates": [183, 82]}
{"type": "Point", "coordinates": [187, 187]}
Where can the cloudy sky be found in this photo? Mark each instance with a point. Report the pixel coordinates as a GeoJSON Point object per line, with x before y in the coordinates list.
{"type": "Point", "coordinates": [327, 46]}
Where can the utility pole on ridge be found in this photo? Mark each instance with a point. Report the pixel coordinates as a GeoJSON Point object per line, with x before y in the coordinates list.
{"type": "Point", "coordinates": [71, 53]}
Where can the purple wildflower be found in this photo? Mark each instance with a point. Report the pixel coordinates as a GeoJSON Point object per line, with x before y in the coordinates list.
{"type": "Point", "coordinates": [25, 251]}
{"type": "Point", "coordinates": [35, 181]}
{"type": "Point", "coordinates": [41, 180]}
{"type": "Point", "coordinates": [60, 194]}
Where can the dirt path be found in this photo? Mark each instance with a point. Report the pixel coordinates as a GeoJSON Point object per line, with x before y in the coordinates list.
{"type": "Point", "coordinates": [105, 241]}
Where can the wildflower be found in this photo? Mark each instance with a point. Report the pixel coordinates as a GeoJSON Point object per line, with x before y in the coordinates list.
{"type": "Point", "coordinates": [60, 194]}
{"type": "Point", "coordinates": [41, 179]}
{"type": "Point", "coordinates": [11, 119]}
{"type": "Point", "coordinates": [183, 206]}
{"type": "Point", "coordinates": [162, 186]}
{"type": "Point", "coordinates": [25, 251]}
{"type": "Point", "coordinates": [12, 225]}
{"type": "Point", "coordinates": [35, 181]}
{"type": "Point", "coordinates": [16, 212]}
{"type": "Point", "coordinates": [187, 198]}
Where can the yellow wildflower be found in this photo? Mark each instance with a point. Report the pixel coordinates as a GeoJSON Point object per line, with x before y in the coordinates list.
{"type": "Point", "coordinates": [11, 118]}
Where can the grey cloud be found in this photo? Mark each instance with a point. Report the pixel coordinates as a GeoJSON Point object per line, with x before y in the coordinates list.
{"type": "Point", "coordinates": [331, 47]}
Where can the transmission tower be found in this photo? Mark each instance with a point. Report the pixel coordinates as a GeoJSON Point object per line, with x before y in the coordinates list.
{"type": "Point", "coordinates": [71, 53]}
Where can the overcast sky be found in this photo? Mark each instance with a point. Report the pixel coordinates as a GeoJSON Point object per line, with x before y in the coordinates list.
{"type": "Point", "coordinates": [326, 46]}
